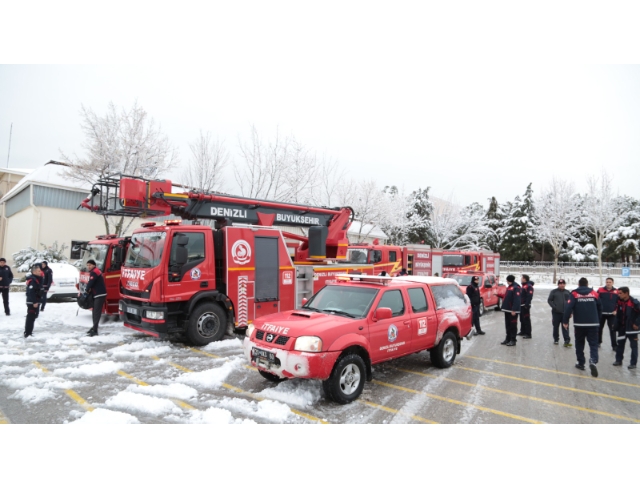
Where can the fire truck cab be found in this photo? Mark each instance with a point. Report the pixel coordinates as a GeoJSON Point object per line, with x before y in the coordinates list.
{"type": "Point", "coordinates": [108, 252]}
{"type": "Point", "coordinates": [491, 290]}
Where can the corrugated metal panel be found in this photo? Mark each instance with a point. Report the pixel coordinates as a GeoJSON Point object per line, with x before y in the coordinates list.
{"type": "Point", "coordinates": [57, 198]}
{"type": "Point", "coordinates": [19, 202]}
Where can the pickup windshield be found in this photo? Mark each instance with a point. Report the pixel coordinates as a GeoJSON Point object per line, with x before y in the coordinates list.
{"type": "Point", "coordinates": [463, 279]}
{"type": "Point", "coordinates": [145, 249]}
{"type": "Point", "coordinates": [97, 252]}
{"type": "Point", "coordinates": [353, 302]}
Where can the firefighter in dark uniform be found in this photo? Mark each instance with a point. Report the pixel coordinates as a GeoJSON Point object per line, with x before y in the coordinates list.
{"type": "Point", "coordinates": [628, 326]}
{"type": "Point", "coordinates": [34, 291]}
{"type": "Point", "coordinates": [609, 300]}
{"type": "Point", "coordinates": [47, 280]}
{"type": "Point", "coordinates": [473, 291]}
{"type": "Point", "coordinates": [6, 278]}
{"type": "Point", "coordinates": [511, 307]}
{"type": "Point", "coordinates": [584, 304]}
{"type": "Point", "coordinates": [97, 288]}
{"type": "Point", "coordinates": [525, 307]}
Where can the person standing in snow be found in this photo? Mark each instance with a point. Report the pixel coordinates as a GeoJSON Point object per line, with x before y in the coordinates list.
{"type": "Point", "coordinates": [525, 306]}
{"type": "Point", "coordinates": [47, 280]}
{"type": "Point", "coordinates": [34, 290]}
{"type": "Point", "coordinates": [511, 307]}
{"type": "Point", "coordinates": [584, 304]}
{"type": "Point", "coordinates": [6, 278]}
{"type": "Point", "coordinates": [557, 299]}
{"type": "Point", "coordinates": [98, 289]}
{"type": "Point", "coordinates": [609, 300]}
{"type": "Point", "coordinates": [473, 291]}
{"type": "Point", "coordinates": [628, 326]}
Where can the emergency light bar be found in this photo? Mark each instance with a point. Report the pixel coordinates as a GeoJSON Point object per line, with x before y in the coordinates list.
{"type": "Point", "coordinates": [384, 280]}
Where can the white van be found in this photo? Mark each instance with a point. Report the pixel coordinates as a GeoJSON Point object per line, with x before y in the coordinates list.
{"type": "Point", "coordinates": [65, 279]}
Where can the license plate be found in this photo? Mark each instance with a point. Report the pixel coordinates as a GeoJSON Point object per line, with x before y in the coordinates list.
{"type": "Point", "coordinates": [133, 311]}
{"type": "Point", "coordinates": [263, 354]}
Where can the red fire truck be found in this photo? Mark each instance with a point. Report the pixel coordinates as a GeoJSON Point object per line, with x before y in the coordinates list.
{"type": "Point", "coordinates": [107, 251]}
{"type": "Point", "coordinates": [422, 260]}
{"type": "Point", "coordinates": [199, 281]}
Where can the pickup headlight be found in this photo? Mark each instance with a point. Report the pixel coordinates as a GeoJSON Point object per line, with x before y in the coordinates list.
{"type": "Point", "coordinates": [249, 331]}
{"type": "Point", "coordinates": [155, 315]}
{"type": "Point", "coordinates": [308, 344]}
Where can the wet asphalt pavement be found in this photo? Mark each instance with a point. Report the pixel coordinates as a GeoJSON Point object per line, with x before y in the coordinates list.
{"type": "Point", "coordinates": [533, 382]}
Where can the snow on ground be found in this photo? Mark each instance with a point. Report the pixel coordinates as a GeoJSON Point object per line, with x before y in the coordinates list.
{"type": "Point", "coordinates": [33, 395]}
{"type": "Point", "coordinates": [106, 416]}
{"type": "Point", "coordinates": [267, 409]}
{"type": "Point", "coordinates": [177, 391]}
{"type": "Point", "coordinates": [141, 403]}
{"type": "Point", "coordinates": [214, 377]}
{"type": "Point", "coordinates": [89, 370]}
{"type": "Point", "coordinates": [216, 416]}
{"type": "Point", "coordinates": [298, 392]}
{"type": "Point", "coordinates": [224, 345]}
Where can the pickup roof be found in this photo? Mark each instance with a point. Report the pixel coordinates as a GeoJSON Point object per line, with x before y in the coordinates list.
{"type": "Point", "coordinates": [491, 292]}
{"type": "Point", "coordinates": [347, 327]}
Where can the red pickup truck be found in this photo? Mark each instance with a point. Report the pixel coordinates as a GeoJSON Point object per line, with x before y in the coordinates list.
{"type": "Point", "coordinates": [360, 321]}
{"type": "Point", "coordinates": [491, 292]}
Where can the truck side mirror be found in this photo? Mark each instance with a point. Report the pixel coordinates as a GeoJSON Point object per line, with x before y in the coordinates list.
{"type": "Point", "coordinates": [182, 256]}
{"type": "Point", "coordinates": [118, 256]}
{"type": "Point", "coordinates": [382, 314]}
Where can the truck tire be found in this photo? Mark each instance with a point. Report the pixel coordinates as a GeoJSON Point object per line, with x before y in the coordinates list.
{"type": "Point", "coordinates": [347, 379]}
{"type": "Point", "coordinates": [482, 308]}
{"type": "Point", "coordinates": [270, 377]}
{"type": "Point", "coordinates": [207, 323]}
{"type": "Point", "coordinates": [444, 354]}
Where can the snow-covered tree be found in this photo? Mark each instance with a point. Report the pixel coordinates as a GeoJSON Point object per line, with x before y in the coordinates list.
{"type": "Point", "coordinates": [26, 257]}
{"type": "Point", "coordinates": [419, 217]}
{"type": "Point", "coordinates": [518, 229]}
{"type": "Point", "coordinates": [453, 227]}
{"type": "Point", "coordinates": [397, 222]}
{"type": "Point", "coordinates": [623, 243]}
{"type": "Point", "coordinates": [205, 169]}
{"type": "Point", "coordinates": [493, 220]}
{"type": "Point", "coordinates": [371, 206]}
{"type": "Point", "coordinates": [601, 215]}
{"type": "Point", "coordinates": [121, 141]}
{"type": "Point", "coordinates": [556, 215]}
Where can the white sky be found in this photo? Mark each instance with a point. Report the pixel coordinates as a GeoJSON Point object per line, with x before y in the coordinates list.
{"type": "Point", "coordinates": [461, 100]}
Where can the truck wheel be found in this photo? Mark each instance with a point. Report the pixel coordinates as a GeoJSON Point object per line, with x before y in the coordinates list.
{"type": "Point", "coordinates": [346, 381]}
{"type": "Point", "coordinates": [482, 310]}
{"type": "Point", "coordinates": [207, 323]}
{"type": "Point", "coordinates": [270, 377]}
{"type": "Point", "coordinates": [444, 354]}
{"type": "Point", "coordinates": [499, 304]}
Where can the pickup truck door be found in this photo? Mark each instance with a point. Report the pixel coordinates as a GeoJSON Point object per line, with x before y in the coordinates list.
{"type": "Point", "coordinates": [424, 322]}
{"type": "Point", "coordinates": [390, 337]}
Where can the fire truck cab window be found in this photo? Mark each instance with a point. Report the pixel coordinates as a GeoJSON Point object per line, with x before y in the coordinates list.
{"type": "Point", "coordinates": [392, 256]}
{"type": "Point", "coordinates": [452, 260]}
{"type": "Point", "coordinates": [393, 300]}
{"type": "Point", "coordinates": [492, 280]}
{"type": "Point", "coordinates": [376, 256]}
{"type": "Point", "coordinates": [195, 247]}
{"type": "Point", "coordinates": [357, 256]}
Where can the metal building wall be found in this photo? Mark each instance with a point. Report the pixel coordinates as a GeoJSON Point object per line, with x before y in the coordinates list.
{"type": "Point", "coordinates": [57, 198]}
{"type": "Point", "coordinates": [19, 202]}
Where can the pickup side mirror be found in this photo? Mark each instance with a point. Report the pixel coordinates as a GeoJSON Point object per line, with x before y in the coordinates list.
{"type": "Point", "coordinates": [382, 314]}
{"type": "Point", "coordinates": [304, 301]}
{"type": "Point", "coordinates": [488, 285]}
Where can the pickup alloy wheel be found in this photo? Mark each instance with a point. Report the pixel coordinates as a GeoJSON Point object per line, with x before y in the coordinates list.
{"type": "Point", "coordinates": [444, 354]}
{"type": "Point", "coordinates": [346, 381]}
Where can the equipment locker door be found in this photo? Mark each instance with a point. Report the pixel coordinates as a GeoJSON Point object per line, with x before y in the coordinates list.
{"type": "Point", "coordinates": [267, 289]}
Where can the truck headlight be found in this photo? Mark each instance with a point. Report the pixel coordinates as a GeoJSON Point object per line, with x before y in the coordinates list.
{"type": "Point", "coordinates": [308, 344]}
{"type": "Point", "coordinates": [155, 315]}
{"type": "Point", "coordinates": [249, 331]}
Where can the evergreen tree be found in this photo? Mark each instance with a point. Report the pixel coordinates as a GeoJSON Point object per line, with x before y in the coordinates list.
{"type": "Point", "coordinates": [518, 229]}
{"type": "Point", "coordinates": [419, 216]}
{"type": "Point", "coordinates": [493, 220]}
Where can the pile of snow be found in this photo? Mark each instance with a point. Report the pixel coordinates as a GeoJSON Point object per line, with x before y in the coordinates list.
{"type": "Point", "coordinates": [130, 401]}
{"type": "Point", "coordinates": [266, 409]}
{"type": "Point", "coordinates": [139, 349]}
{"type": "Point", "coordinates": [178, 391]}
{"type": "Point", "coordinates": [33, 395]}
{"type": "Point", "coordinates": [90, 370]}
{"type": "Point", "coordinates": [223, 345]}
{"type": "Point", "coordinates": [105, 416]}
{"type": "Point", "coordinates": [300, 393]}
{"type": "Point", "coordinates": [211, 378]}
{"type": "Point", "coordinates": [216, 416]}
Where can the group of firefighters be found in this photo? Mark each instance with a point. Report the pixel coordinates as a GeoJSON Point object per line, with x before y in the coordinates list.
{"type": "Point", "coordinates": [590, 309]}
{"type": "Point", "coordinates": [38, 284]}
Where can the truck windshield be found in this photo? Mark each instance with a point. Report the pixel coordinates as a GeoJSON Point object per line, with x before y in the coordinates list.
{"type": "Point", "coordinates": [453, 260]}
{"type": "Point", "coordinates": [97, 252]}
{"type": "Point", "coordinates": [353, 302]}
{"type": "Point", "coordinates": [357, 256]}
{"type": "Point", "coordinates": [145, 249]}
{"type": "Point", "coordinates": [463, 279]}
